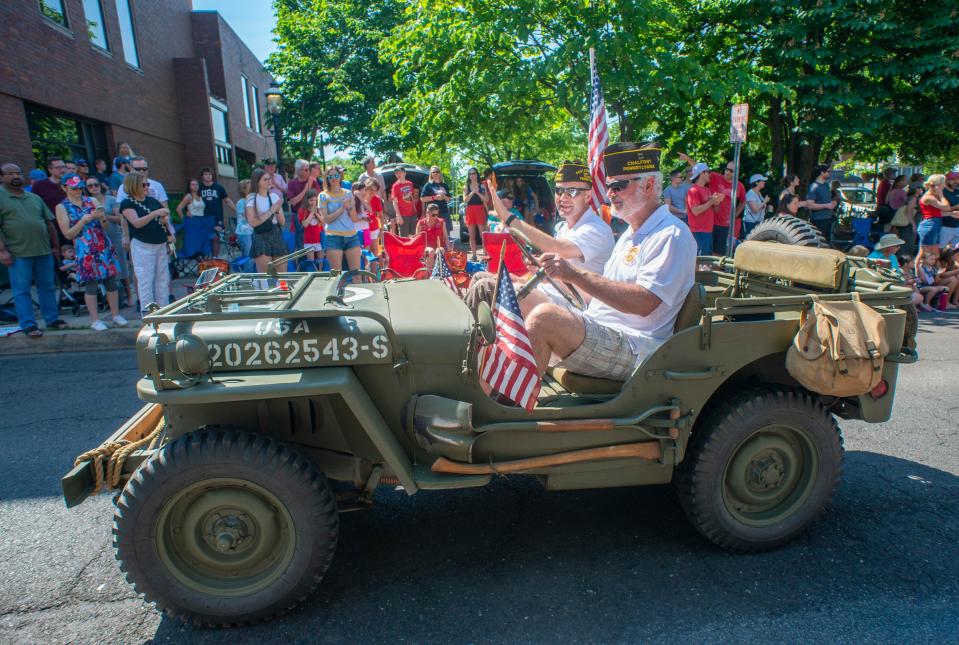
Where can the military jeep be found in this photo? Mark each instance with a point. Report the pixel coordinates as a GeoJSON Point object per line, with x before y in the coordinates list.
{"type": "Point", "coordinates": [274, 403]}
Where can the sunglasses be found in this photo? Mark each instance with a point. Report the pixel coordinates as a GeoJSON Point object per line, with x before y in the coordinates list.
{"type": "Point", "coordinates": [620, 185]}
{"type": "Point", "coordinates": [93, 185]}
{"type": "Point", "coordinates": [572, 192]}
{"type": "Point", "coordinates": [333, 176]}
{"type": "Point", "coordinates": [141, 168]}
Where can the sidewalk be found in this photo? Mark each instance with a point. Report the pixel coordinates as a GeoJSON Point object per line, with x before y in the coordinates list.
{"type": "Point", "coordinates": [78, 337]}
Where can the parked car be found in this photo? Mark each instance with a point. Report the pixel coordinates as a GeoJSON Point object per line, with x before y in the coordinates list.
{"type": "Point", "coordinates": [534, 173]}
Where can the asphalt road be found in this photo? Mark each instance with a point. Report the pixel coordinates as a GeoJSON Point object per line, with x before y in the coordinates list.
{"type": "Point", "coordinates": [511, 563]}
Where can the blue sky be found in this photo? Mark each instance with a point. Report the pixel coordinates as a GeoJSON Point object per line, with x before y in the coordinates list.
{"type": "Point", "coordinates": [252, 20]}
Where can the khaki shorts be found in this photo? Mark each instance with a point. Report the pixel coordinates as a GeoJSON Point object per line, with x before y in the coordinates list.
{"type": "Point", "coordinates": [604, 353]}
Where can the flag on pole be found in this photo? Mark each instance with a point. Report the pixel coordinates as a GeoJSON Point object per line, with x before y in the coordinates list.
{"type": "Point", "coordinates": [508, 365]}
{"type": "Point", "coordinates": [598, 136]}
{"type": "Point", "coordinates": [441, 271]}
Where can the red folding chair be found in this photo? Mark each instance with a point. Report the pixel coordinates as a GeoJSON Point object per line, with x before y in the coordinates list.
{"type": "Point", "coordinates": [404, 256]}
{"type": "Point", "coordinates": [493, 245]}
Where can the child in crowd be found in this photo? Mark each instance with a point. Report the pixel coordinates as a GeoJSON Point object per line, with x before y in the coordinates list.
{"type": "Point", "coordinates": [948, 275]}
{"type": "Point", "coordinates": [907, 264]}
{"type": "Point", "coordinates": [437, 236]}
{"type": "Point", "coordinates": [312, 221]}
{"type": "Point", "coordinates": [375, 207]}
{"type": "Point", "coordinates": [926, 274]}
{"type": "Point", "coordinates": [68, 264]}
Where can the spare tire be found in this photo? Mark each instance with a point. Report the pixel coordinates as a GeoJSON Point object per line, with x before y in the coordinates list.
{"type": "Point", "coordinates": [786, 229]}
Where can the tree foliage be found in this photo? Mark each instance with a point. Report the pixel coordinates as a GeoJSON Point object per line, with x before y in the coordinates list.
{"type": "Point", "coordinates": [488, 80]}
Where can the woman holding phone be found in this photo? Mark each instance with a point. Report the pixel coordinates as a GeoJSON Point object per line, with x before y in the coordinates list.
{"type": "Point", "coordinates": [264, 212]}
{"type": "Point", "coordinates": [83, 221]}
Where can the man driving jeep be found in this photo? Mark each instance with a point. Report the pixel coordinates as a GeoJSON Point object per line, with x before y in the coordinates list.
{"type": "Point", "coordinates": [582, 238]}
{"type": "Point", "coordinates": [637, 297]}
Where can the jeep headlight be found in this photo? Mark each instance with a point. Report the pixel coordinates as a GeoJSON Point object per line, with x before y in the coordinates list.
{"type": "Point", "coordinates": [192, 355]}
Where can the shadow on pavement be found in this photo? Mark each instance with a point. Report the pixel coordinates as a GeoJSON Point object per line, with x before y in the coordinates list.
{"type": "Point", "coordinates": [511, 562]}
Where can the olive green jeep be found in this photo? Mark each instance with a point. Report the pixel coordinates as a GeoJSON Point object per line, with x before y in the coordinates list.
{"type": "Point", "coordinates": [272, 409]}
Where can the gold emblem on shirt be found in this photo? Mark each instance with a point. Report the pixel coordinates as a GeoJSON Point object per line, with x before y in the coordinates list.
{"type": "Point", "coordinates": [630, 258]}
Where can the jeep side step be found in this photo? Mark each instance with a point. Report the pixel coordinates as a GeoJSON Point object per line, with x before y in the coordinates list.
{"type": "Point", "coordinates": [648, 450]}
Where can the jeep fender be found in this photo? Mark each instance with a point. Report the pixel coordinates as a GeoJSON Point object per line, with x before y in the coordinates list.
{"type": "Point", "coordinates": [284, 384]}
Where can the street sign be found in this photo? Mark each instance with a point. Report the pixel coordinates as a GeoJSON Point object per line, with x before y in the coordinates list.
{"type": "Point", "coordinates": [737, 123]}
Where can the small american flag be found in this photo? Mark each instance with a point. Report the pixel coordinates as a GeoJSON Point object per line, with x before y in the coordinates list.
{"type": "Point", "coordinates": [508, 365]}
{"type": "Point", "coordinates": [598, 136]}
{"type": "Point", "coordinates": [441, 271]}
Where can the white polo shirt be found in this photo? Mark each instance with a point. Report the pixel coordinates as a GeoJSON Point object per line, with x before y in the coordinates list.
{"type": "Point", "coordinates": [595, 241]}
{"type": "Point", "coordinates": [661, 257]}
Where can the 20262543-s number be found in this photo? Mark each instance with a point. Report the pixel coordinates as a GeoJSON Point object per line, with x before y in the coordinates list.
{"type": "Point", "coordinates": [294, 351]}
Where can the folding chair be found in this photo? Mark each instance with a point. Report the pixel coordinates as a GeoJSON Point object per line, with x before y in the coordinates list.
{"type": "Point", "coordinates": [493, 243]}
{"type": "Point", "coordinates": [404, 256]}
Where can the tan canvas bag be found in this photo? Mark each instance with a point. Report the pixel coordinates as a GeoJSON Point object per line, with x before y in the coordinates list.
{"type": "Point", "coordinates": [839, 348]}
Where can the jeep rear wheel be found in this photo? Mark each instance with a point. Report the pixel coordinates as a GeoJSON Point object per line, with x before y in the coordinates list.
{"type": "Point", "coordinates": [225, 528]}
{"type": "Point", "coordinates": [760, 468]}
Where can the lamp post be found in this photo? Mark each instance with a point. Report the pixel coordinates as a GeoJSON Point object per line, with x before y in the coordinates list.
{"type": "Point", "coordinates": [274, 103]}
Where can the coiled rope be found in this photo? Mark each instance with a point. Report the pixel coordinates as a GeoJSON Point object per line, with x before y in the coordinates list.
{"type": "Point", "coordinates": [114, 454]}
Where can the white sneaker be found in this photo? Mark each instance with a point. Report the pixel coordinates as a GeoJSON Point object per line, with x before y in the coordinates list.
{"type": "Point", "coordinates": [120, 321]}
{"type": "Point", "coordinates": [99, 325]}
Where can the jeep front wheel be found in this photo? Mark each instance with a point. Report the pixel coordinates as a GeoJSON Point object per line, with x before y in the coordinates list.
{"type": "Point", "coordinates": [760, 468]}
{"type": "Point", "coordinates": [226, 528]}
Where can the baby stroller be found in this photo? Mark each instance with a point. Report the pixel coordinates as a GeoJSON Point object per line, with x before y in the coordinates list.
{"type": "Point", "coordinates": [70, 296]}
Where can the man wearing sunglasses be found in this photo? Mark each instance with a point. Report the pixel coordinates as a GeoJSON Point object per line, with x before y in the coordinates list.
{"type": "Point", "coordinates": [637, 297]}
{"type": "Point", "coordinates": [582, 238]}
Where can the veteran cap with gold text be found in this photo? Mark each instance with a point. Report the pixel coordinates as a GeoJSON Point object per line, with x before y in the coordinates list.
{"type": "Point", "coordinates": [630, 158]}
{"type": "Point", "coordinates": [573, 171]}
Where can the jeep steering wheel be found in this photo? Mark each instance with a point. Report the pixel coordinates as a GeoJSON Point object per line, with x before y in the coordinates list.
{"type": "Point", "coordinates": [570, 293]}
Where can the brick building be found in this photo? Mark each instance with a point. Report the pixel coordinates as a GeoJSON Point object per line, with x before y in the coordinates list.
{"type": "Point", "coordinates": [81, 76]}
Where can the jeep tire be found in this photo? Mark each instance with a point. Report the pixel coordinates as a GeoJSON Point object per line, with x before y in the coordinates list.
{"type": "Point", "coordinates": [224, 528]}
{"type": "Point", "coordinates": [759, 468]}
{"type": "Point", "coordinates": [787, 229]}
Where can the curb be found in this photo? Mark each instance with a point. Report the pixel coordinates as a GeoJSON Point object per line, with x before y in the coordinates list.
{"type": "Point", "coordinates": [70, 340]}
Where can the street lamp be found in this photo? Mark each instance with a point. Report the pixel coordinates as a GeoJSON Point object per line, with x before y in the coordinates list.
{"type": "Point", "coordinates": [274, 103]}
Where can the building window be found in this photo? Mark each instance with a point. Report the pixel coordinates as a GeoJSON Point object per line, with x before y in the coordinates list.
{"type": "Point", "coordinates": [93, 13]}
{"type": "Point", "coordinates": [127, 33]}
{"type": "Point", "coordinates": [54, 133]}
{"type": "Point", "coordinates": [247, 112]}
{"type": "Point", "coordinates": [256, 110]}
{"type": "Point", "coordinates": [54, 11]}
{"type": "Point", "coordinates": [221, 139]}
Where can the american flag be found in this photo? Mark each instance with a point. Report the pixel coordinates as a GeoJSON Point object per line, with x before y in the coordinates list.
{"type": "Point", "coordinates": [508, 365]}
{"type": "Point", "coordinates": [441, 271]}
{"type": "Point", "coordinates": [598, 136]}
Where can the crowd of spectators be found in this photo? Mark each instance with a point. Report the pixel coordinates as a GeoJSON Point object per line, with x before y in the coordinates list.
{"type": "Point", "coordinates": [109, 230]}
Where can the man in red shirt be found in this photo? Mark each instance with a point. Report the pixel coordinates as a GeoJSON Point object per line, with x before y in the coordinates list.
{"type": "Point", "coordinates": [882, 191]}
{"type": "Point", "coordinates": [701, 203]}
{"type": "Point", "coordinates": [401, 195]}
{"type": "Point", "coordinates": [723, 185]}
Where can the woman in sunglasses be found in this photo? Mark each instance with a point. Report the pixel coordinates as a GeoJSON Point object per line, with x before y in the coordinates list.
{"type": "Point", "coordinates": [477, 205]}
{"type": "Point", "coordinates": [148, 223]}
{"type": "Point", "coordinates": [82, 220]}
{"type": "Point", "coordinates": [339, 218]}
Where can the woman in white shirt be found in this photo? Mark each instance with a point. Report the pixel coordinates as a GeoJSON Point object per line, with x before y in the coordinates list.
{"type": "Point", "coordinates": [264, 212]}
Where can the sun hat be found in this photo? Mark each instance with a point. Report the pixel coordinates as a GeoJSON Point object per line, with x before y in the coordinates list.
{"type": "Point", "coordinates": [73, 180]}
{"type": "Point", "coordinates": [888, 240]}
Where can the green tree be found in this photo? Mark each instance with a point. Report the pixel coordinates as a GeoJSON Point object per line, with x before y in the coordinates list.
{"type": "Point", "coordinates": [871, 77]}
{"type": "Point", "coordinates": [333, 79]}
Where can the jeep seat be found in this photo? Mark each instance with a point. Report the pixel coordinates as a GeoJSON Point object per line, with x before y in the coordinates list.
{"type": "Point", "coordinates": [688, 316]}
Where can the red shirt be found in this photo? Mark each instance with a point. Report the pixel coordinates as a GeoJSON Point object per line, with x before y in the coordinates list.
{"type": "Point", "coordinates": [402, 193]}
{"type": "Point", "coordinates": [376, 210]}
{"type": "Point", "coordinates": [434, 233]}
{"type": "Point", "coordinates": [311, 233]}
{"type": "Point", "coordinates": [293, 188]}
{"type": "Point", "coordinates": [697, 196]}
{"type": "Point", "coordinates": [883, 191]}
{"type": "Point", "coordinates": [718, 184]}
{"type": "Point", "coordinates": [929, 211]}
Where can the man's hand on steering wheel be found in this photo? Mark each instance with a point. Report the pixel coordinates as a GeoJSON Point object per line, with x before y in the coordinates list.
{"type": "Point", "coordinates": [557, 267]}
